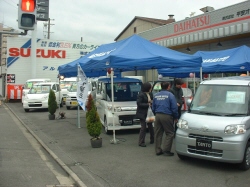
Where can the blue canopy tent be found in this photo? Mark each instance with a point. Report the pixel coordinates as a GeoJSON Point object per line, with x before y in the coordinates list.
{"type": "Point", "coordinates": [70, 70]}
{"type": "Point", "coordinates": [130, 54]}
{"type": "Point", "coordinates": [230, 60]}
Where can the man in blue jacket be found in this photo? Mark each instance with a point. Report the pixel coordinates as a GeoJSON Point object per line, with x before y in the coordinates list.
{"type": "Point", "coordinates": [166, 113]}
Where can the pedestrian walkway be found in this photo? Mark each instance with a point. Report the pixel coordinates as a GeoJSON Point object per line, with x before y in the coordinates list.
{"type": "Point", "coordinates": [23, 161]}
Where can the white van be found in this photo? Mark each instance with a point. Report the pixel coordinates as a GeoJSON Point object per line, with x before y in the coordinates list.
{"type": "Point", "coordinates": [29, 83]}
{"type": "Point", "coordinates": [217, 124]}
{"type": "Point", "coordinates": [65, 85]}
{"type": "Point", "coordinates": [125, 96]}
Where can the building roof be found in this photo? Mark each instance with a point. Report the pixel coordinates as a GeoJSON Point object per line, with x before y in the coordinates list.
{"type": "Point", "coordinates": [151, 20]}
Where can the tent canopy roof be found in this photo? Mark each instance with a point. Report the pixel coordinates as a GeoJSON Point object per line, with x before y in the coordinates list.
{"type": "Point", "coordinates": [133, 53]}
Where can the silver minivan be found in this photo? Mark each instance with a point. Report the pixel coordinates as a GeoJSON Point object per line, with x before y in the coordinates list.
{"type": "Point", "coordinates": [217, 125]}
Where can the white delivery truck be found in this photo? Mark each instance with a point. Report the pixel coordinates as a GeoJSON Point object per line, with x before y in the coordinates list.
{"type": "Point", "coordinates": [71, 98]}
{"type": "Point", "coordinates": [65, 84]}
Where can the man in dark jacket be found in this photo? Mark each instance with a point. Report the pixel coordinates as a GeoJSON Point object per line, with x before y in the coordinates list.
{"type": "Point", "coordinates": [178, 94]}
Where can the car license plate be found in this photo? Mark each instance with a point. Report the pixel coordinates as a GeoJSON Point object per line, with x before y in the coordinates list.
{"type": "Point", "coordinates": [203, 144]}
{"type": "Point", "coordinates": [64, 99]}
{"type": "Point", "coordinates": [75, 103]}
{"type": "Point", "coordinates": [128, 122]}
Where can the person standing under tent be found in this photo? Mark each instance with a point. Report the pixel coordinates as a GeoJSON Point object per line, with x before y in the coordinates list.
{"type": "Point", "coordinates": [178, 93]}
{"type": "Point", "coordinates": [166, 113]}
{"type": "Point", "coordinates": [144, 100]}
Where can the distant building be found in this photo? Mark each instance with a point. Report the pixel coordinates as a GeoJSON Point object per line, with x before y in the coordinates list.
{"type": "Point", "coordinates": [3, 53]}
{"type": "Point", "coordinates": [140, 24]}
{"type": "Point", "coordinates": [3, 43]}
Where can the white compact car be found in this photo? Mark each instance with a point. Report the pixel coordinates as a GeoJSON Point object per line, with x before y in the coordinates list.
{"type": "Point", "coordinates": [29, 83]}
{"type": "Point", "coordinates": [37, 97]}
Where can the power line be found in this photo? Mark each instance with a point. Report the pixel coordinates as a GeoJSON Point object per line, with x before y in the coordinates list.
{"type": "Point", "coordinates": [10, 4]}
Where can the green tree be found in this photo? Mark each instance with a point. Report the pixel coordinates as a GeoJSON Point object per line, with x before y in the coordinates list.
{"type": "Point", "coordinates": [94, 124]}
{"type": "Point", "coordinates": [52, 104]}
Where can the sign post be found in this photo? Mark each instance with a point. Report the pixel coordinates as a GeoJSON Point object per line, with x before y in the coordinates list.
{"type": "Point", "coordinates": [42, 10]}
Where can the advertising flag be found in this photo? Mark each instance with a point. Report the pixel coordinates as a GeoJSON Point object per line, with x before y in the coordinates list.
{"type": "Point", "coordinates": [82, 87]}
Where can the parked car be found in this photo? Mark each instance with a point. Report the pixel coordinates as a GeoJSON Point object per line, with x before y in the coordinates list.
{"type": "Point", "coordinates": [65, 85]}
{"type": "Point", "coordinates": [37, 97]}
{"type": "Point", "coordinates": [125, 96]}
{"type": "Point", "coordinates": [29, 83]}
{"type": "Point", "coordinates": [71, 99]}
{"type": "Point", "coordinates": [217, 124]}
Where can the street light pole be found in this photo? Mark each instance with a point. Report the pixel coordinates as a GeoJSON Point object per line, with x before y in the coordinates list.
{"type": "Point", "coordinates": [60, 77]}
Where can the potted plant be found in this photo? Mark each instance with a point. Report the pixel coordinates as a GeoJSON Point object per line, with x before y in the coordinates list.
{"type": "Point", "coordinates": [52, 104]}
{"type": "Point", "coordinates": [94, 124]}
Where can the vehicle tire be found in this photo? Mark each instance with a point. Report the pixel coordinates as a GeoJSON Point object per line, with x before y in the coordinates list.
{"type": "Point", "coordinates": [245, 164]}
{"type": "Point", "coordinates": [68, 107]}
{"type": "Point", "coordinates": [26, 110]}
{"type": "Point", "coordinates": [106, 127]}
{"type": "Point", "coordinates": [182, 157]}
{"type": "Point", "coordinates": [61, 104]}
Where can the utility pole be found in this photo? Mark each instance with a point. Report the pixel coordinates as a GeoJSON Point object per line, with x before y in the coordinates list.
{"type": "Point", "coordinates": [48, 24]}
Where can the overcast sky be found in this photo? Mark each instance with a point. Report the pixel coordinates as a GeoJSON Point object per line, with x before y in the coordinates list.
{"type": "Point", "coordinates": [101, 21]}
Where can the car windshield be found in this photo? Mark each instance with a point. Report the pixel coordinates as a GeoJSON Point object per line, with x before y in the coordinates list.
{"type": "Point", "coordinates": [221, 100]}
{"type": "Point", "coordinates": [124, 91]}
{"type": "Point", "coordinates": [39, 89]}
{"type": "Point", "coordinates": [66, 84]}
{"type": "Point", "coordinates": [73, 87]}
{"type": "Point", "coordinates": [29, 84]}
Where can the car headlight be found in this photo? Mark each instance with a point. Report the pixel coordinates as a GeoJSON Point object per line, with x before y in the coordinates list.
{"type": "Point", "coordinates": [116, 109]}
{"type": "Point", "coordinates": [182, 124]}
{"type": "Point", "coordinates": [235, 129]}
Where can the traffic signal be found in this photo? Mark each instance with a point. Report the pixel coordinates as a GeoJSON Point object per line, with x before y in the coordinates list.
{"type": "Point", "coordinates": [27, 14]}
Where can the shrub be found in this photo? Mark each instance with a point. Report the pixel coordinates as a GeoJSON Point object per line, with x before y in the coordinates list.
{"type": "Point", "coordinates": [94, 124]}
{"type": "Point", "coordinates": [52, 104]}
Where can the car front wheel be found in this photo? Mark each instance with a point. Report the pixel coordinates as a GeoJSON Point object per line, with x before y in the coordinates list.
{"type": "Point", "coordinates": [245, 164]}
{"type": "Point", "coordinates": [106, 127]}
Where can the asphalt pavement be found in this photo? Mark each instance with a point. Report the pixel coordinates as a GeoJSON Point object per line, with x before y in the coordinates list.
{"type": "Point", "coordinates": [23, 161]}
{"type": "Point", "coordinates": [124, 164]}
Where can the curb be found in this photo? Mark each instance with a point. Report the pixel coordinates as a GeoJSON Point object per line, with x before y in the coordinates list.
{"type": "Point", "coordinates": [54, 156]}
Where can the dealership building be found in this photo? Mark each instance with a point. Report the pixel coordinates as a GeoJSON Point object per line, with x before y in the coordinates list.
{"type": "Point", "coordinates": [212, 30]}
